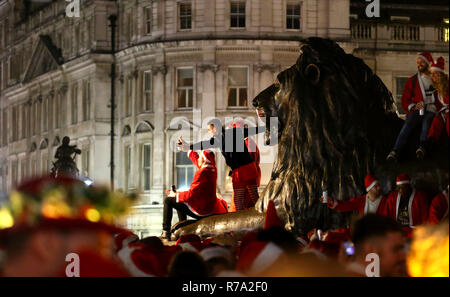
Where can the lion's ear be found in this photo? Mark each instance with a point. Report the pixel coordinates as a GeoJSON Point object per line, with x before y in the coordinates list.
{"type": "Point", "coordinates": [312, 73]}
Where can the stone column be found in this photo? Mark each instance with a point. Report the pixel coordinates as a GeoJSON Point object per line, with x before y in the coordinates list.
{"type": "Point", "coordinates": [208, 106]}
{"type": "Point", "coordinates": [158, 181]}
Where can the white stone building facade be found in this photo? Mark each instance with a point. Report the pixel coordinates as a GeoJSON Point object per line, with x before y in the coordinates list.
{"type": "Point", "coordinates": [190, 59]}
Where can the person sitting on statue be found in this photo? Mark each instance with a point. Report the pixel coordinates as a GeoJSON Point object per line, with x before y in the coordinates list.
{"type": "Point", "coordinates": [441, 94]}
{"type": "Point", "coordinates": [420, 105]}
{"type": "Point", "coordinates": [201, 199]}
{"type": "Point", "coordinates": [372, 202]}
{"type": "Point", "coordinates": [244, 171]}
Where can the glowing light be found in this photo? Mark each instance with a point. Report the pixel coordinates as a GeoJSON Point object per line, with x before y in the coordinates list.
{"type": "Point", "coordinates": [6, 220]}
{"type": "Point", "coordinates": [55, 210]}
{"type": "Point", "coordinates": [429, 254]}
{"type": "Point", "coordinates": [93, 215]}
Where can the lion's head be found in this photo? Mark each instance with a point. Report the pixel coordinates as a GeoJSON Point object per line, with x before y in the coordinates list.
{"type": "Point", "coordinates": [336, 119]}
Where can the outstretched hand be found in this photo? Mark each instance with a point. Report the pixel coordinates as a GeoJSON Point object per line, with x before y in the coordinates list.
{"type": "Point", "coordinates": [182, 145]}
{"type": "Point", "coordinates": [330, 200]}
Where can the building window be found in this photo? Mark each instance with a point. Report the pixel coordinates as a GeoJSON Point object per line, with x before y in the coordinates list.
{"type": "Point", "coordinates": [146, 154]}
{"type": "Point", "coordinates": [237, 86]}
{"type": "Point", "coordinates": [185, 16]}
{"type": "Point", "coordinates": [127, 166]}
{"type": "Point", "coordinates": [185, 171]}
{"type": "Point", "coordinates": [185, 90]}
{"type": "Point", "coordinates": [57, 110]}
{"type": "Point", "coordinates": [148, 20]}
{"type": "Point", "coordinates": [400, 86]}
{"type": "Point", "coordinates": [128, 96]}
{"type": "Point", "coordinates": [147, 90]}
{"type": "Point", "coordinates": [45, 114]}
{"type": "Point", "coordinates": [14, 123]}
{"type": "Point", "coordinates": [237, 14]}
{"type": "Point", "coordinates": [85, 161]}
{"type": "Point", "coordinates": [33, 167]}
{"type": "Point", "coordinates": [74, 104]}
{"type": "Point", "coordinates": [23, 169]}
{"type": "Point", "coordinates": [24, 121]}
{"type": "Point", "coordinates": [5, 128]}
{"type": "Point", "coordinates": [293, 16]}
{"type": "Point", "coordinates": [87, 101]}
{"type": "Point", "coordinates": [44, 165]}
{"type": "Point", "coordinates": [14, 173]}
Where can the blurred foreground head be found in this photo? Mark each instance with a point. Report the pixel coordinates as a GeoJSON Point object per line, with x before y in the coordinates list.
{"type": "Point", "coordinates": [374, 234]}
{"type": "Point", "coordinates": [46, 219]}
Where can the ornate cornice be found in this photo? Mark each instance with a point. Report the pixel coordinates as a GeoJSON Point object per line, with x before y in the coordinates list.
{"type": "Point", "coordinates": [213, 67]}
{"type": "Point", "coordinates": [270, 67]}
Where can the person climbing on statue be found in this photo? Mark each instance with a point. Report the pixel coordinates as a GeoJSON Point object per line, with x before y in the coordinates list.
{"type": "Point", "coordinates": [244, 171]}
{"type": "Point", "coordinates": [201, 199]}
{"type": "Point", "coordinates": [420, 105]}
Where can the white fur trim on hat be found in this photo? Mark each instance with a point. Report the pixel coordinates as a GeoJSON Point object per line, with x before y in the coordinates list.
{"type": "Point", "coordinates": [216, 252]}
{"type": "Point", "coordinates": [372, 185]}
{"type": "Point", "coordinates": [403, 182]}
{"type": "Point", "coordinates": [425, 59]}
{"type": "Point", "coordinates": [266, 257]}
{"type": "Point", "coordinates": [436, 69]}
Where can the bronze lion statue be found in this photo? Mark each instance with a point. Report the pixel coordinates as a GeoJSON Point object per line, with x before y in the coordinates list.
{"type": "Point", "coordinates": [337, 121]}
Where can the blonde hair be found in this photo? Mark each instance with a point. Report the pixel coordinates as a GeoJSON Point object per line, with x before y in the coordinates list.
{"type": "Point", "coordinates": [442, 85]}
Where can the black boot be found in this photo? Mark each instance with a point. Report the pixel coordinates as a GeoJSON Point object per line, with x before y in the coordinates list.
{"type": "Point", "coordinates": [420, 152]}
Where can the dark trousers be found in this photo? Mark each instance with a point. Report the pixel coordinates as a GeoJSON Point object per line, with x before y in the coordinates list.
{"type": "Point", "coordinates": [182, 210]}
{"type": "Point", "coordinates": [412, 120]}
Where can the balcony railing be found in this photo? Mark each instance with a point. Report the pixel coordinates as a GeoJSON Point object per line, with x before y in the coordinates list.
{"type": "Point", "coordinates": [405, 32]}
{"type": "Point", "coordinates": [362, 31]}
{"type": "Point", "coordinates": [399, 33]}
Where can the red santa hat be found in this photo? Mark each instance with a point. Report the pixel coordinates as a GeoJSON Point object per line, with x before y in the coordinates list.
{"type": "Point", "coordinates": [257, 256]}
{"type": "Point", "coordinates": [124, 238]}
{"type": "Point", "coordinates": [426, 56]}
{"type": "Point", "coordinates": [370, 181]}
{"type": "Point", "coordinates": [439, 65]}
{"type": "Point", "coordinates": [272, 219]}
{"type": "Point", "coordinates": [337, 236]}
{"type": "Point", "coordinates": [322, 249]}
{"type": "Point", "coordinates": [236, 124]}
{"type": "Point", "coordinates": [403, 179]}
{"type": "Point", "coordinates": [209, 157]}
{"type": "Point", "coordinates": [190, 242]}
{"type": "Point", "coordinates": [139, 260]}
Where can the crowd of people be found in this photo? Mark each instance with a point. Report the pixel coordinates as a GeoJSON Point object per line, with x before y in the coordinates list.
{"type": "Point", "coordinates": [58, 226]}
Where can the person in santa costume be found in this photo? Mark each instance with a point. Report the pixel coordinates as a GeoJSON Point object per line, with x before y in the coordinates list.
{"type": "Point", "coordinates": [419, 104]}
{"type": "Point", "coordinates": [372, 202]}
{"type": "Point", "coordinates": [201, 198]}
{"type": "Point", "coordinates": [439, 207]}
{"type": "Point", "coordinates": [441, 93]}
{"type": "Point", "coordinates": [407, 206]}
{"type": "Point", "coordinates": [61, 227]}
{"type": "Point", "coordinates": [251, 191]}
{"type": "Point", "coordinates": [244, 171]}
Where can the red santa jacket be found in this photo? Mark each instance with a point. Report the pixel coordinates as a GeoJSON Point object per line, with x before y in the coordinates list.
{"type": "Point", "coordinates": [359, 204]}
{"type": "Point", "coordinates": [438, 208]}
{"type": "Point", "coordinates": [201, 197]}
{"type": "Point", "coordinates": [417, 96]}
{"type": "Point", "coordinates": [254, 153]}
{"type": "Point", "coordinates": [417, 207]}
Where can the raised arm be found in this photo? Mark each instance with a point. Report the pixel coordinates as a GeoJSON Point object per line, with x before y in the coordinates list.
{"type": "Point", "coordinates": [205, 144]}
